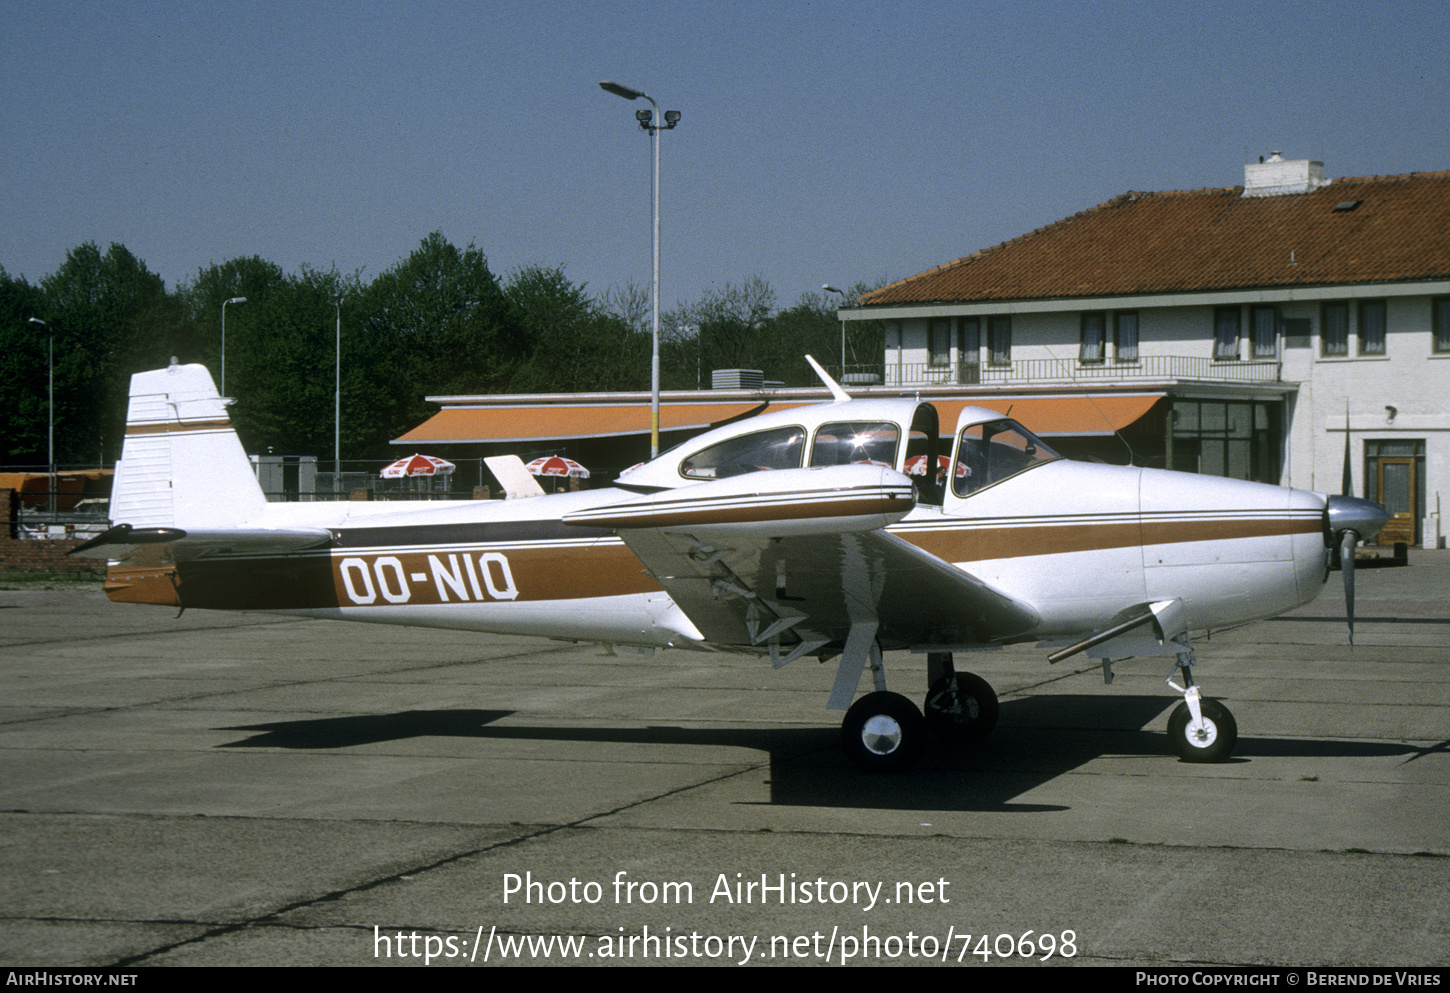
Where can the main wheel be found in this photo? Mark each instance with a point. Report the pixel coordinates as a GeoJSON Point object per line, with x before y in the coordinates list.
{"type": "Point", "coordinates": [1210, 742]}
{"type": "Point", "coordinates": [961, 707]}
{"type": "Point", "coordinates": [883, 732]}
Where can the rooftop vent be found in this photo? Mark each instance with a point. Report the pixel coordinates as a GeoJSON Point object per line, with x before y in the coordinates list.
{"type": "Point", "coordinates": [1345, 206]}
{"type": "Point", "coordinates": [737, 379]}
{"type": "Point", "coordinates": [1279, 176]}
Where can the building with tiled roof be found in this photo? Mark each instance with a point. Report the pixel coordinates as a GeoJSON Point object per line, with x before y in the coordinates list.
{"type": "Point", "coordinates": [1261, 316]}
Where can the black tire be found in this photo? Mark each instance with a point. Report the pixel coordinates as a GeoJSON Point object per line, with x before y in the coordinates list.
{"type": "Point", "coordinates": [960, 708]}
{"type": "Point", "coordinates": [883, 732]}
{"type": "Point", "coordinates": [1211, 744]}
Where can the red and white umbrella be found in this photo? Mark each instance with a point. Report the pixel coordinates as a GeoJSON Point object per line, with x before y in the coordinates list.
{"type": "Point", "coordinates": [557, 465]}
{"type": "Point", "coordinates": [418, 465]}
{"type": "Point", "coordinates": [916, 465]}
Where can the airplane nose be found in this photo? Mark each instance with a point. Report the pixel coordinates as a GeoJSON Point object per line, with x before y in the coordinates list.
{"type": "Point", "coordinates": [1364, 517]}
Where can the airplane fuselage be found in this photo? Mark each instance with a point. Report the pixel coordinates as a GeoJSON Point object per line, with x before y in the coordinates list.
{"type": "Point", "coordinates": [1232, 551]}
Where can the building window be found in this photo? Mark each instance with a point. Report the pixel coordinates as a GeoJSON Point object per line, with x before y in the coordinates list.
{"type": "Point", "coordinates": [1334, 338]}
{"type": "Point", "coordinates": [969, 350]}
{"type": "Point", "coordinates": [1226, 333]}
{"type": "Point", "coordinates": [1236, 439]}
{"type": "Point", "coordinates": [969, 342]}
{"type": "Point", "coordinates": [999, 340]}
{"type": "Point", "coordinates": [939, 341]}
{"type": "Point", "coordinates": [1372, 327]}
{"type": "Point", "coordinates": [1265, 323]}
{"type": "Point", "coordinates": [1094, 335]}
{"type": "Point", "coordinates": [1125, 336]}
{"type": "Point", "coordinates": [1442, 324]}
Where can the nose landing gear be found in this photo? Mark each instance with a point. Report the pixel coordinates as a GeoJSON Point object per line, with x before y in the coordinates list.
{"type": "Point", "coordinates": [1199, 729]}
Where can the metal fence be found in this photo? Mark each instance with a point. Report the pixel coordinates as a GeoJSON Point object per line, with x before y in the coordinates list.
{"type": "Point", "coordinates": [1060, 371]}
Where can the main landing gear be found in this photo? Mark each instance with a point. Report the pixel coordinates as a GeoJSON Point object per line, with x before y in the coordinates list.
{"type": "Point", "coordinates": [884, 732]}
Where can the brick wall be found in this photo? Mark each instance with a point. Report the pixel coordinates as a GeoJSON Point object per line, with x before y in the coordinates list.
{"type": "Point", "coordinates": [37, 556]}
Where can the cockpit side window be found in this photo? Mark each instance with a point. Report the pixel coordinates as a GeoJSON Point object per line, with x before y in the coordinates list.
{"type": "Point", "coordinates": [780, 448]}
{"type": "Point", "coordinates": [991, 452]}
{"type": "Point", "coordinates": [856, 442]}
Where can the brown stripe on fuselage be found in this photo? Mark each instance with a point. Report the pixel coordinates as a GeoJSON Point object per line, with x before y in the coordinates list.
{"type": "Point", "coordinates": [1015, 541]}
{"type": "Point", "coordinates": [175, 427]}
{"type": "Point", "coordinates": [298, 582]}
{"type": "Point", "coordinates": [567, 572]}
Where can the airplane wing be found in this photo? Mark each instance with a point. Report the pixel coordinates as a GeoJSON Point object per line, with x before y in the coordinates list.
{"type": "Point", "coordinates": [166, 545]}
{"type": "Point", "coordinates": [812, 588]}
{"type": "Point", "coordinates": [793, 559]}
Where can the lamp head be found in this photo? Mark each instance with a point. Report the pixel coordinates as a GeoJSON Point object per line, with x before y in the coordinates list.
{"type": "Point", "coordinates": [620, 91]}
{"type": "Point", "coordinates": [672, 117]}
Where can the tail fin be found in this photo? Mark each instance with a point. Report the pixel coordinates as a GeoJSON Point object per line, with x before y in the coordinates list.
{"type": "Point", "coordinates": [182, 464]}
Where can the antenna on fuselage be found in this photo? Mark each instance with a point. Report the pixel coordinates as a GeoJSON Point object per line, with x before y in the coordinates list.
{"type": "Point", "coordinates": [831, 384]}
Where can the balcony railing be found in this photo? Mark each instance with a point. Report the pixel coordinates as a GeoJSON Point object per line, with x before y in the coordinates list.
{"type": "Point", "coordinates": [1065, 371]}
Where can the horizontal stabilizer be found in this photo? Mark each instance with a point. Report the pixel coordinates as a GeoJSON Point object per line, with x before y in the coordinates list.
{"type": "Point", "coordinates": [513, 477]}
{"type": "Point", "coordinates": [123, 543]}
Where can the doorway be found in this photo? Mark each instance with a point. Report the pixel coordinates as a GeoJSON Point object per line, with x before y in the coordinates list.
{"type": "Point", "coordinates": [1395, 478]}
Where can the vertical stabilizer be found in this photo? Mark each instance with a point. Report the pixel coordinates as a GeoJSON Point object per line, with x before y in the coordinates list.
{"type": "Point", "coordinates": [182, 464]}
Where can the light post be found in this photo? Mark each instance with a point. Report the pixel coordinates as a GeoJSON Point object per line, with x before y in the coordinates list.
{"type": "Point", "coordinates": [224, 339]}
{"type": "Point", "coordinates": [50, 383]}
{"type": "Point", "coordinates": [831, 289]}
{"type": "Point", "coordinates": [337, 406]}
{"type": "Point", "coordinates": [671, 118]}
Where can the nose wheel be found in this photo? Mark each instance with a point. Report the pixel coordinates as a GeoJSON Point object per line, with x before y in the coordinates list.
{"type": "Point", "coordinates": [1199, 729]}
{"type": "Point", "coordinates": [1210, 738]}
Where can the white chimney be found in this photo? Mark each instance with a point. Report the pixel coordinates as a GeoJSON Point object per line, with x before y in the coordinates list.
{"type": "Point", "coordinates": [1277, 177]}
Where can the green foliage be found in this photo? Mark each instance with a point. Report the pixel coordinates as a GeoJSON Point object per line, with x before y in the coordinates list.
{"type": "Point", "coordinates": [110, 315]}
{"type": "Point", "coordinates": [576, 345]}
{"type": "Point", "coordinates": [22, 372]}
{"type": "Point", "coordinates": [738, 327]}
{"type": "Point", "coordinates": [437, 323]}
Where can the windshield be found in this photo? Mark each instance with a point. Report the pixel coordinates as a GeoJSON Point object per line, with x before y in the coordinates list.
{"type": "Point", "coordinates": [778, 449]}
{"type": "Point", "coordinates": [993, 451]}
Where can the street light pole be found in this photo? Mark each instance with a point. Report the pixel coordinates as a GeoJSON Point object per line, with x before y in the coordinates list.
{"type": "Point", "coordinates": [224, 339]}
{"type": "Point", "coordinates": [831, 289]}
{"type": "Point", "coordinates": [671, 118]}
{"type": "Point", "coordinates": [337, 406]}
{"type": "Point", "coordinates": [50, 383]}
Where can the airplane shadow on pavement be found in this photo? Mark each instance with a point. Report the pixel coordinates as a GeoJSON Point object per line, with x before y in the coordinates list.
{"type": "Point", "coordinates": [1037, 739]}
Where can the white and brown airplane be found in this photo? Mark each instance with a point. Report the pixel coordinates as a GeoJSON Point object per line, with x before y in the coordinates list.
{"type": "Point", "coordinates": [833, 552]}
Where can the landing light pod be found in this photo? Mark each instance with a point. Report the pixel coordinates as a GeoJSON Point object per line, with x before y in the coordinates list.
{"type": "Point", "coordinates": [778, 503]}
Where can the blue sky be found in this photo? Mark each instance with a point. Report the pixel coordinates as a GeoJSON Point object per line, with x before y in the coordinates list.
{"type": "Point", "coordinates": [820, 142]}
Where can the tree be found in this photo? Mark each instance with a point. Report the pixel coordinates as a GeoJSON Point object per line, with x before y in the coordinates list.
{"type": "Point", "coordinates": [723, 330]}
{"type": "Point", "coordinates": [111, 316]}
{"type": "Point", "coordinates": [441, 324]}
{"type": "Point", "coordinates": [576, 344]}
{"type": "Point", "coordinates": [23, 395]}
{"type": "Point", "coordinates": [252, 278]}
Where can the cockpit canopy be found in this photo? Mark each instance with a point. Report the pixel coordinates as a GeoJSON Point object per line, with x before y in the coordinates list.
{"type": "Point", "coordinates": [900, 434]}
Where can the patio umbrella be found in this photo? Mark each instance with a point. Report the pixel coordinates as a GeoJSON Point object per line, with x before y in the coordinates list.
{"type": "Point", "coordinates": [557, 465]}
{"type": "Point", "coordinates": [418, 465]}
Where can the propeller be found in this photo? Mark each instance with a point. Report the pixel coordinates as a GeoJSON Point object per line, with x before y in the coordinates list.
{"type": "Point", "coordinates": [1350, 519]}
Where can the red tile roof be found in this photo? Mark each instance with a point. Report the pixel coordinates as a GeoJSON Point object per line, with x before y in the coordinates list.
{"type": "Point", "coordinates": [1199, 240]}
